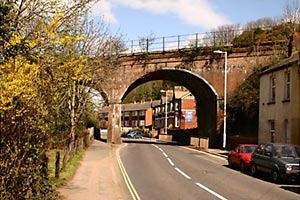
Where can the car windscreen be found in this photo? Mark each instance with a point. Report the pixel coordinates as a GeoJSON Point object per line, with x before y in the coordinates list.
{"type": "Point", "coordinates": [248, 149]}
{"type": "Point", "coordinates": [287, 151]}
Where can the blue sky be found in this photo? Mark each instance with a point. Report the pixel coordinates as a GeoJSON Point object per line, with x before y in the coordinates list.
{"type": "Point", "coordinates": [140, 18]}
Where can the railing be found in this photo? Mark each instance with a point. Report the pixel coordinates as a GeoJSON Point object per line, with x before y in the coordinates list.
{"type": "Point", "coordinates": [187, 41]}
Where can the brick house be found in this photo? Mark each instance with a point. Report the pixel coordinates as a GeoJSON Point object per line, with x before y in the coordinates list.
{"type": "Point", "coordinates": [181, 111]}
{"type": "Point", "coordinates": [134, 115]}
{"type": "Point", "coordinates": [279, 107]}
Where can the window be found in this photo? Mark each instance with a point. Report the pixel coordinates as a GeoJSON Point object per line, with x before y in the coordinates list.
{"type": "Point", "coordinates": [177, 122]}
{"type": "Point", "coordinates": [272, 130]}
{"type": "Point", "coordinates": [287, 132]}
{"type": "Point", "coordinates": [287, 85]}
{"type": "Point", "coordinates": [126, 123]}
{"type": "Point", "coordinates": [134, 123]}
{"type": "Point", "coordinates": [176, 106]}
{"type": "Point", "coordinates": [126, 113]}
{"type": "Point", "coordinates": [142, 123]}
{"type": "Point", "coordinates": [272, 88]}
{"type": "Point", "coordinates": [142, 113]}
{"type": "Point", "coordinates": [134, 113]}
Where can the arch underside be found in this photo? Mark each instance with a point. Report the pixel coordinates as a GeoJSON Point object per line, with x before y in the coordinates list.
{"type": "Point", "coordinates": [205, 95]}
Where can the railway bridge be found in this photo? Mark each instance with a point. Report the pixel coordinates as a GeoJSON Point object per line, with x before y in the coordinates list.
{"type": "Point", "coordinates": [197, 68]}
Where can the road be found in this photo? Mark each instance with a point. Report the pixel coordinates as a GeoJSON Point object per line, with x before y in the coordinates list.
{"type": "Point", "coordinates": [159, 171]}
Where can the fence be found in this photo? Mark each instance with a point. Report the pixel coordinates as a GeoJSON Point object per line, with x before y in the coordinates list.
{"type": "Point", "coordinates": [198, 40]}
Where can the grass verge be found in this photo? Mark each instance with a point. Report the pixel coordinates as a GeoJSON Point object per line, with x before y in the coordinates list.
{"type": "Point", "coordinates": [67, 174]}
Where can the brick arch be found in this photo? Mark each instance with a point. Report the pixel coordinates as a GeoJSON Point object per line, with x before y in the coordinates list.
{"type": "Point", "coordinates": [205, 95]}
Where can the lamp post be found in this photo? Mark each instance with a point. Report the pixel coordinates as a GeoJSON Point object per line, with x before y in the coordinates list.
{"type": "Point", "coordinates": [225, 94]}
{"type": "Point", "coordinates": [166, 111]}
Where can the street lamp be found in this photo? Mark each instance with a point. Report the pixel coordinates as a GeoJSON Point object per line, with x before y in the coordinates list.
{"type": "Point", "coordinates": [166, 111]}
{"type": "Point", "coordinates": [225, 94]}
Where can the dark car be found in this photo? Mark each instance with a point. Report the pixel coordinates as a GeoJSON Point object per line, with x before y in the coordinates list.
{"type": "Point", "coordinates": [281, 161]}
{"type": "Point", "coordinates": [241, 156]}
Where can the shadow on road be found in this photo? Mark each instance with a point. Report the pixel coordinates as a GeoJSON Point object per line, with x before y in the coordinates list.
{"type": "Point", "coordinates": [292, 186]}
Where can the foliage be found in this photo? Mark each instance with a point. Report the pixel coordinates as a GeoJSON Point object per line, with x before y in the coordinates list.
{"type": "Point", "coordinates": [68, 173]}
{"type": "Point", "coordinates": [258, 34]}
{"type": "Point", "coordinates": [146, 42]}
{"type": "Point", "coordinates": [44, 85]}
{"type": "Point", "coordinates": [291, 14]}
{"type": "Point", "coordinates": [223, 35]}
{"type": "Point", "coordinates": [243, 107]}
{"type": "Point", "coordinates": [23, 133]}
{"type": "Point", "coordinates": [148, 91]}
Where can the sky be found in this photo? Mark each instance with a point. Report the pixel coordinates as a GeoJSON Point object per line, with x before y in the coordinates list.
{"type": "Point", "coordinates": [141, 18]}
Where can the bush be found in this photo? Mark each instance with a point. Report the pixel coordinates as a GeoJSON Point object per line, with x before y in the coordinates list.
{"type": "Point", "coordinates": [23, 168]}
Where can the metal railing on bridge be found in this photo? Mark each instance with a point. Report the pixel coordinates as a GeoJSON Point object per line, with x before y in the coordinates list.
{"type": "Point", "coordinates": [197, 40]}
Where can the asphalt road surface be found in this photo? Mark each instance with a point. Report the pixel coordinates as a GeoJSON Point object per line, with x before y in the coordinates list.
{"type": "Point", "coordinates": [158, 171]}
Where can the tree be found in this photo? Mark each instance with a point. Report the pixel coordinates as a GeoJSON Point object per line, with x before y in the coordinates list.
{"type": "Point", "coordinates": [146, 42]}
{"type": "Point", "coordinates": [148, 91]}
{"type": "Point", "coordinates": [224, 35]}
{"type": "Point", "coordinates": [243, 107]}
{"type": "Point", "coordinates": [292, 14]}
{"type": "Point", "coordinates": [45, 78]}
{"type": "Point", "coordinates": [262, 23]}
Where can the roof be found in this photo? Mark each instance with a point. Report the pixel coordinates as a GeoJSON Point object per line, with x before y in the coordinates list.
{"type": "Point", "coordinates": [134, 106]}
{"type": "Point", "coordinates": [282, 64]}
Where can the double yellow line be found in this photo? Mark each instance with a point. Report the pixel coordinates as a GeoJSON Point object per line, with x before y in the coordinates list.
{"type": "Point", "coordinates": [128, 182]}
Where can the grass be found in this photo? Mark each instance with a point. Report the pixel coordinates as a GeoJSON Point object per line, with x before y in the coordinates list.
{"type": "Point", "coordinates": [67, 174]}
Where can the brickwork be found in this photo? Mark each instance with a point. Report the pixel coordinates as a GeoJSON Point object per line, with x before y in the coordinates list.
{"type": "Point", "coordinates": [201, 73]}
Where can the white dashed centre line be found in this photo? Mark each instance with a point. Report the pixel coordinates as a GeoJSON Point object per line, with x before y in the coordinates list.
{"type": "Point", "coordinates": [165, 154]}
{"type": "Point", "coordinates": [188, 177]}
{"type": "Point", "coordinates": [182, 173]}
{"type": "Point", "coordinates": [170, 161]}
{"type": "Point", "coordinates": [210, 191]}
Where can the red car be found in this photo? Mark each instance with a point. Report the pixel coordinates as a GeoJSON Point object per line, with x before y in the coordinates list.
{"type": "Point", "coordinates": [241, 156]}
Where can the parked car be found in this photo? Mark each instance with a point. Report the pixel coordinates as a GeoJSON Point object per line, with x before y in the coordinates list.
{"type": "Point", "coordinates": [135, 134]}
{"type": "Point", "coordinates": [281, 161]}
{"type": "Point", "coordinates": [241, 156]}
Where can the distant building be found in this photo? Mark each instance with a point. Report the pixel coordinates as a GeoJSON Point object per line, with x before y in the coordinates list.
{"type": "Point", "coordinates": [181, 111]}
{"type": "Point", "coordinates": [151, 115]}
{"type": "Point", "coordinates": [134, 115]}
{"type": "Point", "coordinates": [279, 107]}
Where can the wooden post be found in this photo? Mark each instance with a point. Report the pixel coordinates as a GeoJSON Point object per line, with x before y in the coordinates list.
{"type": "Point", "coordinates": [57, 159]}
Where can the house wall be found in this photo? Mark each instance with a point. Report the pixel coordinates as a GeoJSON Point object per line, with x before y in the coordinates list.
{"type": "Point", "coordinates": [188, 105]}
{"type": "Point", "coordinates": [148, 117]}
{"type": "Point", "coordinates": [284, 113]}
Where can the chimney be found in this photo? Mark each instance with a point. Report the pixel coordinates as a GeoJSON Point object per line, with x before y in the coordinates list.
{"type": "Point", "coordinates": [294, 44]}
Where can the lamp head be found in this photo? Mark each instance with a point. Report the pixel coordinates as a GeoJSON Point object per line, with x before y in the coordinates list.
{"type": "Point", "coordinates": [219, 51]}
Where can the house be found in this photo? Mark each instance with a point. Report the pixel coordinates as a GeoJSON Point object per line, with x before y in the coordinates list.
{"type": "Point", "coordinates": [134, 115]}
{"type": "Point", "coordinates": [177, 110]}
{"type": "Point", "coordinates": [279, 106]}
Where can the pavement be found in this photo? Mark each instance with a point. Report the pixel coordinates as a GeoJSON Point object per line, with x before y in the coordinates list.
{"type": "Point", "coordinates": [218, 152]}
{"type": "Point", "coordinates": [99, 175]}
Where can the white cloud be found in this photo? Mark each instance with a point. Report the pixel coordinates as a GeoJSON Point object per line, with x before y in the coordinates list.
{"type": "Point", "coordinates": [194, 12]}
{"type": "Point", "coordinates": [103, 9]}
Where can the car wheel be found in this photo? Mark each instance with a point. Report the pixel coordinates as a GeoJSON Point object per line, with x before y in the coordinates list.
{"type": "Point", "coordinates": [275, 176]}
{"type": "Point", "coordinates": [242, 164]}
{"type": "Point", "coordinates": [253, 169]}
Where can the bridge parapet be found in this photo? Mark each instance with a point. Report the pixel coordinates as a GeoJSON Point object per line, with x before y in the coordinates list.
{"type": "Point", "coordinates": [214, 39]}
